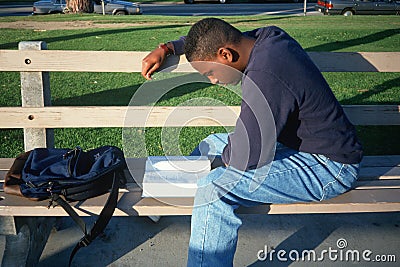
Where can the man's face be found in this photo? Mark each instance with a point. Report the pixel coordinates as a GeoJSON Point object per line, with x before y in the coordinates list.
{"type": "Point", "coordinates": [218, 73]}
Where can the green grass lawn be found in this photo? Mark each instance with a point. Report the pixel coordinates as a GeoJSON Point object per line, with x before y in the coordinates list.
{"type": "Point", "coordinates": [328, 33]}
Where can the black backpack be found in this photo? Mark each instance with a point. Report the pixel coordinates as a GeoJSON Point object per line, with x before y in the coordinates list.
{"type": "Point", "coordinates": [62, 175]}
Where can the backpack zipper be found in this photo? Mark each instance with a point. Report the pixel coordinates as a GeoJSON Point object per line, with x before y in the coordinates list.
{"type": "Point", "coordinates": [32, 185]}
{"type": "Point", "coordinates": [71, 163]}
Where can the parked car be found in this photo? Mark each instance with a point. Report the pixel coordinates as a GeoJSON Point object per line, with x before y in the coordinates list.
{"type": "Point", "coordinates": [49, 6]}
{"type": "Point", "coordinates": [117, 7]}
{"type": "Point", "coordinates": [114, 7]}
{"type": "Point", "coordinates": [359, 7]}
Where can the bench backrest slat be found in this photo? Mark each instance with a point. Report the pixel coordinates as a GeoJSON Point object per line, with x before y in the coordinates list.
{"type": "Point", "coordinates": [159, 116]}
{"type": "Point", "coordinates": [124, 61]}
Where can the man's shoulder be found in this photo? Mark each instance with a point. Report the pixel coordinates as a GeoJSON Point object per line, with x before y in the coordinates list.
{"type": "Point", "coordinates": [275, 51]}
{"type": "Point", "coordinates": [266, 31]}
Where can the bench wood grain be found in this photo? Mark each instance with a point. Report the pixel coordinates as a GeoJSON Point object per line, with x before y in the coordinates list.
{"type": "Point", "coordinates": [372, 193]}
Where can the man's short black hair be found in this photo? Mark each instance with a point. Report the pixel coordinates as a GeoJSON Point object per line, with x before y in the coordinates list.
{"type": "Point", "coordinates": [206, 36]}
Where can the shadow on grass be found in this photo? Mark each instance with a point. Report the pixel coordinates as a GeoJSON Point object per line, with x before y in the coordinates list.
{"type": "Point", "coordinates": [354, 42]}
{"type": "Point", "coordinates": [150, 93]}
{"type": "Point", "coordinates": [13, 45]}
{"type": "Point", "coordinates": [380, 140]}
{"type": "Point", "coordinates": [113, 97]}
{"type": "Point", "coordinates": [387, 85]}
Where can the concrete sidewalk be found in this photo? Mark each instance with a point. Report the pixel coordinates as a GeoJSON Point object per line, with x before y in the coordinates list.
{"type": "Point", "coordinates": [137, 241]}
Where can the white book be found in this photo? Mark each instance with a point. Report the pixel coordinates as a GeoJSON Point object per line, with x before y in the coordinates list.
{"type": "Point", "coordinates": [174, 176]}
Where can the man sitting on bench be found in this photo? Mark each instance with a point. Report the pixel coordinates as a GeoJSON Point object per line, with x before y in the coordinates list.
{"type": "Point", "coordinates": [316, 155]}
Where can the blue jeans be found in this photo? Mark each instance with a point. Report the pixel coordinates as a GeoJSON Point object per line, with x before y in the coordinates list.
{"type": "Point", "coordinates": [292, 177]}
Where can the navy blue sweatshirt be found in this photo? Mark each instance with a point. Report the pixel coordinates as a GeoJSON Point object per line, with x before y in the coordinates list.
{"type": "Point", "coordinates": [306, 114]}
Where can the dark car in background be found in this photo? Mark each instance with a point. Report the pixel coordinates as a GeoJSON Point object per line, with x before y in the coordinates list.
{"type": "Point", "coordinates": [113, 7]}
{"type": "Point", "coordinates": [359, 7]}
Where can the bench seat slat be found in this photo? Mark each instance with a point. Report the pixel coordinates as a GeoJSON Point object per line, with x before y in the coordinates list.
{"type": "Point", "coordinates": [370, 173]}
{"type": "Point", "coordinates": [366, 174]}
{"type": "Point", "coordinates": [381, 161]}
{"type": "Point", "coordinates": [377, 184]}
{"type": "Point", "coordinates": [131, 203]}
{"type": "Point", "coordinates": [17, 206]}
{"type": "Point", "coordinates": [377, 190]}
{"type": "Point", "coordinates": [373, 167]}
{"type": "Point", "coordinates": [355, 201]}
{"type": "Point", "coordinates": [139, 163]}
{"type": "Point", "coordinates": [359, 185]}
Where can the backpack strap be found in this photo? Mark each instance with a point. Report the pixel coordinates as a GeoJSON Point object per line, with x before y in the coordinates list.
{"type": "Point", "coordinates": [101, 222]}
{"type": "Point", "coordinates": [67, 207]}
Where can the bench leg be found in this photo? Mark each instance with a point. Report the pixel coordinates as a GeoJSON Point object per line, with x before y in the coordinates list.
{"type": "Point", "coordinates": [26, 246]}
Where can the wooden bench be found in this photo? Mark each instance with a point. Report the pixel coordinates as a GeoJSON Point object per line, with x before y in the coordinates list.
{"type": "Point", "coordinates": [27, 224]}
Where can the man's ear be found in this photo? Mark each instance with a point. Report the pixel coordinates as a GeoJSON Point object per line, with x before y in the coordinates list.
{"type": "Point", "coordinates": [225, 54]}
{"type": "Point", "coordinates": [228, 54]}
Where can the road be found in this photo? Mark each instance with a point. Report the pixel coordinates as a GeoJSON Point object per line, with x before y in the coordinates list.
{"type": "Point", "coordinates": [15, 10]}
{"type": "Point", "coordinates": [226, 9]}
{"type": "Point", "coordinates": [193, 10]}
